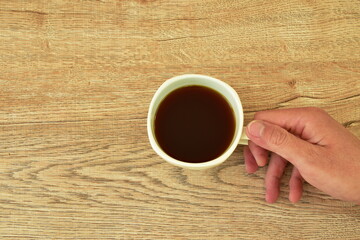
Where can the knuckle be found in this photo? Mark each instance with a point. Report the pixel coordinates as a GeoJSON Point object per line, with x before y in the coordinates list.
{"type": "Point", "coordinates": [278, 137]}
{"type": "Point", "coordinates": [257, 115]}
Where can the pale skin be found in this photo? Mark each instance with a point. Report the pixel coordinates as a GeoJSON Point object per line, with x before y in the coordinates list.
{"type": "Point", "coordinates": [323, 153]}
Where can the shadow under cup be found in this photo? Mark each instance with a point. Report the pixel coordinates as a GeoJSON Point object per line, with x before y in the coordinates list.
{"type": "Point", "coordinates": [220, 87]}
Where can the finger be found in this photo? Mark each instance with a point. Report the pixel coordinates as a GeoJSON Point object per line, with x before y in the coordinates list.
{"type": "Point", "coordinates": [280, 141]}
{"type": "Point", "coordinates": [260, 154]}
{"type": "Point", "coordinates": [273, 176]}
{"type": "Point", "coordinates": [285, 118]}
{"type": "Point", "coordinates": [296, 186]}
{"type": "Point", "coordinates": [297, 120]}
{"type": "Point", "coordinates": [250, 163]}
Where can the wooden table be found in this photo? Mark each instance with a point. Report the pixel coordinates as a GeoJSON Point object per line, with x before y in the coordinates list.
{"type": "Point", "coordinates": [76, 80]}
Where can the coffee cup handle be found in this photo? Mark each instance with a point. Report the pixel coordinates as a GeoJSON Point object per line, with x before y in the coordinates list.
{"type": "Point", "coordinates": [244, 138]}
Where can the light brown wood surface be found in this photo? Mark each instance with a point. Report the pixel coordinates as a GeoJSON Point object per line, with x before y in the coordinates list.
{"type": "Point", "coordinates": [76, 80]}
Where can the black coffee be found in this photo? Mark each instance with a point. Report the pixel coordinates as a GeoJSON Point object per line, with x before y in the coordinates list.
{"type": "Point", "coordinates": [194, 124]}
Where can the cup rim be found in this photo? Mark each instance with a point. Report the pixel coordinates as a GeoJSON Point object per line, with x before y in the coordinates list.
{"type": "Point", "coordinates": [202, 165]}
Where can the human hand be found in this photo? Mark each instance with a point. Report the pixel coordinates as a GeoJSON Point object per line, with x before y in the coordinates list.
{"type": "Point", "coordinates": [323, 152]}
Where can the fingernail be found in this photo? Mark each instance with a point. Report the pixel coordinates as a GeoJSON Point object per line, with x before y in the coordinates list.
{"type": "Point", "coordinates": [256, 128]}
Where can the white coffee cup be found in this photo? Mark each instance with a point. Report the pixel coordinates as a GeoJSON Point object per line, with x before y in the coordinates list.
{"type": "Point", "coordinates": [199, 80]}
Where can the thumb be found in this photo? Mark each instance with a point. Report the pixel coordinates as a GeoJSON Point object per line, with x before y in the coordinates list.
{"type": "Point", "coordinates": [279, 141]}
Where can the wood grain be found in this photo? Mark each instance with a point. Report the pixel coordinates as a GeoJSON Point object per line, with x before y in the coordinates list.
{"type": "Point", "coordinates": [76, 81]}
